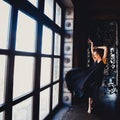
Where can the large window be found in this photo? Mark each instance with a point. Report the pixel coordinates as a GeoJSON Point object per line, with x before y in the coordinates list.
{"type": "Point", "coordinates": [30, 59]}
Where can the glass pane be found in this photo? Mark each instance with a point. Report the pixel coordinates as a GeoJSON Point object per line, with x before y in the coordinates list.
{"type": "Point", "coordinates": [23, 75]}
{"type": "Point", "coordinates": [4, 23]}
{"type": "Point", "coordinates": [23, 110]}
{"type": "Point", "coordinates": [56, 69]}
{"type": "Point", "coordinates": [44, 103]}
{"type": "Point", "coordinates": [55, 95]}
{"type": "Point", "coordinates": [1, 115]}
{"type": "Point", "coordinates": [3, 62]}
{"type": "Point", "coordinates": [48, 10]}
{"type": "Point", "coordinates": [57, 44]}
{"type": "Point", "coordinates": [45, 76]}
{"type": "Point", "coordinates": [46, 41]}
{"type": "Point", "coordinates": [58, 15]}
{"type": "Point", "coordinates": [34, 2]}
{"type": "Point", "coordinates": [26, 33]}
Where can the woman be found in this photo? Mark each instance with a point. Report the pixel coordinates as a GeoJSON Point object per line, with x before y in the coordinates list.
{"type": "Point", "coordinates": [88, 81]}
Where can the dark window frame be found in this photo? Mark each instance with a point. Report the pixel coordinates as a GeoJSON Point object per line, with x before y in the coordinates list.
{"type": "Point", "coordinates": [37, 14]}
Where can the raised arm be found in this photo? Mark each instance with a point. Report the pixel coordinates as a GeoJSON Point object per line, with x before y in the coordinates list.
{"type": "Point", "coordinates": [105, 53]}
{"type": "Point", "coordinates": [91, 45]}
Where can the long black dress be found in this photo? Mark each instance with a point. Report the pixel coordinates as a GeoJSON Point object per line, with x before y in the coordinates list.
{"type": "Point", "coordinates": [85, 81]}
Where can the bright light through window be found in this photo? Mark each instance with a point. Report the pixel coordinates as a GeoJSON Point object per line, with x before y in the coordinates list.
{"type": "Point", "coordinates": [45, 76]}
{"type": "Point", "coordinates": [5, 10]}
{"type": "Point", "coordinates": [48, 10]}
{"type": "Point", "coordinates": [57, 44]}
{"type": "Point", "coordinates": [23, 75]}
{"type": "Point", "coordinates": [55, 95]}
{"type": "Point", "coordinates": [58, 15]}
{"type": "Point", "coordinates": [47, 40]}
{"type": "Point", "coordinates": [23, 110]}
{"type": "Point", "coordinates": [56, 69]}
{"type": "Point", "coordinates": [3, 63]}
{"type": "Point", "coordinates": [1, 115]}
{"type": "Point", "coordinates": [44, 103]}
{"type": "Point", "coordinates": [26, 33]}
{"type": "Point", "coordinates": [34, 2]}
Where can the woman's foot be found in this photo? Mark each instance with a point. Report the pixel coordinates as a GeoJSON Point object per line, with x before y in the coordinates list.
{"type": "Point", "coordinates": [89, 111]}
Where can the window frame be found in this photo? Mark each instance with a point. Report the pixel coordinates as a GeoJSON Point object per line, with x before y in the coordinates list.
{"type": "Point", "coordinates": [37, 14]}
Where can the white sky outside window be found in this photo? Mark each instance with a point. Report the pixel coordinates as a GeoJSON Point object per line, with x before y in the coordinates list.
{"type": "Point", "coordinates": [26, 33]}
{"type": "Point", "coordinates": [44, 103]}
{"type": "Point", "coordinates": [56, 72]}
{"type": "Point", "coordinates": [1, 115]}
{"type": "Point", "coordinates": [55, 95]}
{"type": "Point", "coordinates": [48, 9]}
{"type": "Point", "coordinates": [57, 44]}
{"type": "Point", "coordinates": [23, 75]}
{"type": "Point", "coordinates": [34, 2]}
{"type": "Point", "coordinates": [23, 110]}
{"type": "Point", "coordinates": [5, 10]}
{"type": "Point", "coordinates": [3, 63]}
{"type": "Point", "coordinates": [45, 76]}
{"type": "Point", "coordinates": [47, 41]}
{"type": "Point", "coordinates": [58, 15]}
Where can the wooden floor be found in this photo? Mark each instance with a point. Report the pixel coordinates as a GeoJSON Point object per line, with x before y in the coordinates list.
{"type": "Point", "coordinates": [108, 109]}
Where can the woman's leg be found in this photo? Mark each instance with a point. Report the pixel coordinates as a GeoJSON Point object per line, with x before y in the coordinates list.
{"type": "Point", "coordinates": [90, 101]}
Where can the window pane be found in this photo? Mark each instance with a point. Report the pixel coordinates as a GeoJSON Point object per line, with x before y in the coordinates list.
{"type": "Point", "coordinates": [23, 110]}
{"type": "Point", "coordinates": [46, 41]}
{"type": "Point", "coordinates": [26, 33]}
{"type": "Point", "coordinates": [34, 2]}
{"type": "Point", "coordinates": [44, 103]}
{"type": "Point", "coordinates": [48, 10]}
{"type": "Point", "coordinates": [4, 23]}
{"type": "Point", "coordinates": [58, 15]}
{"type": "Point", "coordinates": [57, 44]}
{"type": "Point", "coordinates": [56, 72]}
{"type": "Point", "coordinates": [45, 71]}
{"type": "Point", "coordinates": [55, 95]}
{"type": "Point", "coordinates": [3, 62]}
{"type": "Point", "coordinates": [1, 115]}
{"type": "Point", "coordinates": [23, 75]}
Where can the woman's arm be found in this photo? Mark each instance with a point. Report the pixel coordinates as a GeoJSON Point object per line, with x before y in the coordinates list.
{"type": "Point", "coordinates": [92, 49]}
{"type": "Point", "coordinates": [105, 53]}
{"type": "Point", "coordinates": [91, 45]}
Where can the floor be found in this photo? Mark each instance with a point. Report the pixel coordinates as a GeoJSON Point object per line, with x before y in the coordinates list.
{"type": "Point", "coordinates": [108, 109]}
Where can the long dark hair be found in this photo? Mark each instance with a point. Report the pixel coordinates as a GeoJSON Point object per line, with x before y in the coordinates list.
{"type": "Point", "coordinates": [99, 51]}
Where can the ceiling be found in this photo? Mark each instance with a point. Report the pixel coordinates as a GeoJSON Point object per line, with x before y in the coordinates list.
{"type": "Point", "coordinates": [67, 3]}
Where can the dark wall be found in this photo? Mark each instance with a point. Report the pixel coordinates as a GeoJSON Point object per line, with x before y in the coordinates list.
{"type": "Point", "coordinates": [85, 12]}
{"type": "Point", "coordinates": [80, 35]}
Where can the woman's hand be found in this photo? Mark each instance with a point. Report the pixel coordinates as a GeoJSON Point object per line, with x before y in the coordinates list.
{"type": "Point", "coordinates": [90, 41]}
